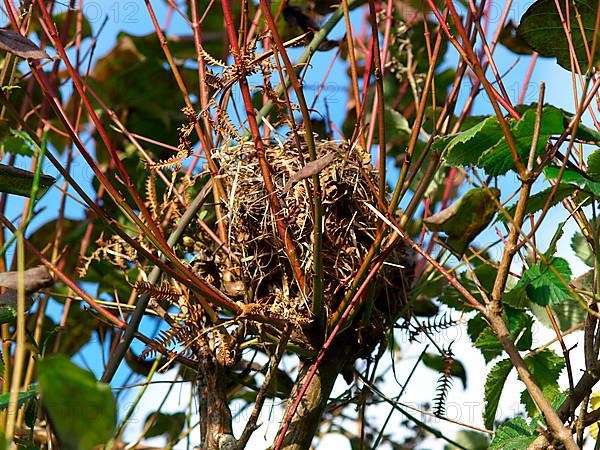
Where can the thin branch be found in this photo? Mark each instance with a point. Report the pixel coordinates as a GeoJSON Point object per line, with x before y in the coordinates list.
{"type": "Point", "coordinates": [251, 425]}
{"type": "Point", "coordinates": [284, 232]}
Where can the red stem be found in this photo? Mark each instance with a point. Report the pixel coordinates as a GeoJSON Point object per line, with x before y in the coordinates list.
{"type": "Point", "coordinates": [265, 170]}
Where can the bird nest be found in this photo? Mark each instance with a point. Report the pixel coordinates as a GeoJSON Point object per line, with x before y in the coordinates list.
{"type": "Point", "coordinates": [261, 274]}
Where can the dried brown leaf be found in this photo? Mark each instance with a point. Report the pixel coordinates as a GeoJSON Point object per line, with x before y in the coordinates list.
{"type": "Point", "coordinates": [36, 278]}
{"type": "Point", "coordinates": [20, 45]}
{"type": "Point", "coordinates": [310, 169]}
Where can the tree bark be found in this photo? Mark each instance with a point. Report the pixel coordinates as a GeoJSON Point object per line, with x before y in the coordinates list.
{"type": "Point", "coordinates": [215, 428]}
{"type": "Point", "coordinates": [308, 416]}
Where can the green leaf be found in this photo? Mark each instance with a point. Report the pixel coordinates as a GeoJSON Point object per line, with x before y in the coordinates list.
{"type": "Point", "coordinates": [582, 249]}
{"type": "Point", "coordinates": [568, 175]}
{"type": "Point", "coordinates": [489, 345]}
{"type": "Point", "coordinates": [584, 133]}
{"type": "Point", "coordinates": [23, 397]}
{"type": "Point", "coordinates": [473, 440]}
{"type": "Point", "coordinates": [475, 326]}
{"type": "Point", "coordinates": [13, 142]}
{"type": "Point", "coordinates": [593, 164]}
{"type": "Point", "coordinates": [166, 424]}
{"type": "Point", "coordinates": [395, 122]}
{"type": "Point", "coordinates": [567, 314]}
{"type": "Point", "coordinates": [509, 38]}
{"type": "Point", "coordinates": [494, 384]}
{"type": "Point", "coordinates": [519, 324]}
{"type": "Point", "coordinates": [82, 411]}
{"type": "Point", "coordinates": [19, 182]}
{"type": "Point", "coordinates": [545, 368]}
{"type": "Point", "coordinates": [498, 159]}
{"type": "Point", "coordinates": [559, 399]}
{"type": "Point", "coordinates": [550, 392]}
{"type": "Point", "coordinates": [485, 146]}
{"type": "Point", "coordinates": [516, 434]}
{"type": "Point", "coordinates": [438, 363]}
{"type": "Point", "coordinates": [542, 29]}
{"type": "Point", "coordinates": [8, 314]}
{"type": "Point", "coordinates": [516, 298]}
{"type": "Point", "coordinates": [574, 176]}
{"type": "Point", "coordinates": [554, 241]}
{"type": "Point", "coordinates": [544, 287]}
{"type": "Point", "coordinates": [467, 147]}
{"type": "Point", "coordinates": [466, 218]}
{"type": "Point", "coordinates": [538, 201]}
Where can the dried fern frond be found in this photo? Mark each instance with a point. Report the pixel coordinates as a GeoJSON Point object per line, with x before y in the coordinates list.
{"type": "Point", "coordinates": [185, 148]}
{"type": "Point", "coordinates": [444, 383]}
{"type": "Point", "coordinates": [165, 291]}
{"type": "Point", "coordinates": [431, 325]}
{"type": "Point", "coordinates": [115, 250]}
{"type": "Point", "coordinates": [214, 80]}
{"type": "Point", "coordinates": [151, 197]}
{"type": "Point", "coordinates": [212, 61]}
{"type": "Point", "coordinates": [222, 122]}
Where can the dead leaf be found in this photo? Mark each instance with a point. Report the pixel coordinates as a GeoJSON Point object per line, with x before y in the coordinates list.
{"type": "Point", "coordinates": [312, 168]}
{"type": "Point", "coordinates": [36, 278]}
{"type": "Point", "coordinates": [20, 45]}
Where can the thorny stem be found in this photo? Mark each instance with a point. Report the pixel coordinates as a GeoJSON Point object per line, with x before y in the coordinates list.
{"type": "Point", "coordinates": [563, 346]}
{"type": "Point", "coordinates": [179, 271]}
{"type": "Point", "coordinates": [108, 315]}
{"type": "Point", "coordinates": [153, 233]}
{"type": "Point", "coordinates": [352, 61]}
{"type": "Point", "coordinates": [555, 423]}
{"type": "Point", "coordinates": [321, 356]}
{"type": "Point", "coordinates": [396, 196]}
{"type": "Point", "coordinates": [308, 52]}
{"type": "Point", "coordinates": [419, 119]}
{"type": "Point", "coordinates": [401, 234]}
{"type": "Point", "coordinates": [516, 226]}
{"type": "Point", "coordinates": [20, 350]}
{"type": "Point", "coordinates": [354, 304]}
{"type": "Point", "coordinates": [469, 55]}
{"type": "Point", "coordinates": [570, 130]}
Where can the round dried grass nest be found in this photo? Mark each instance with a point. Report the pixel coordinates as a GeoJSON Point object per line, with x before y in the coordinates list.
{"type": "Point", "coordinates": [264, 278]}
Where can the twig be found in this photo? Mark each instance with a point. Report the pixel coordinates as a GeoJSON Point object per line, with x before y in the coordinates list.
{"type": "Point", "coordinates": [262, 393]}
{"type": "Point", "coordinates": [379, 99]}
{"type": "Point", "coordinates": [118, 353]}
{"type": "Point", "coordinates": [290, 247]}
{"type": "Point", "coordinates": [493, 311]}
{"type": "Point", "coordinates": [317, 301]}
